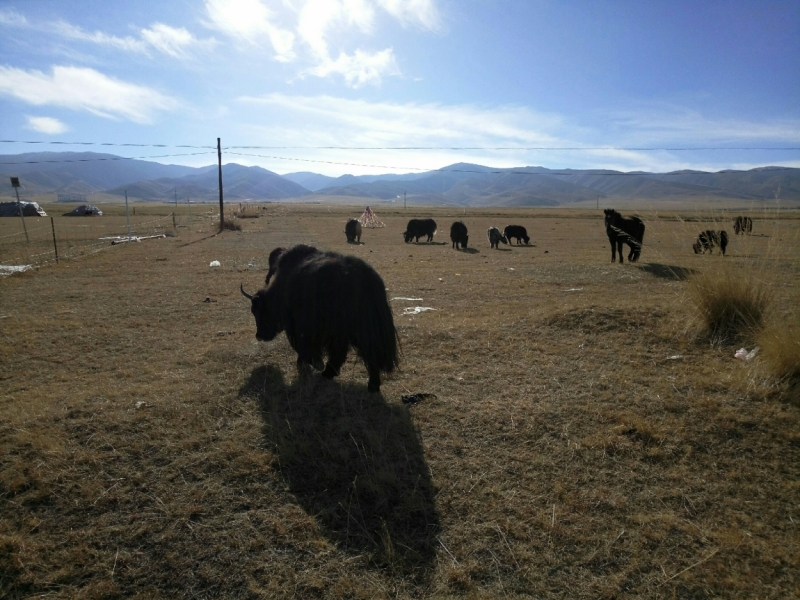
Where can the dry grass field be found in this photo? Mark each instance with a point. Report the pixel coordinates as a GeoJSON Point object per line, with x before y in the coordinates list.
{"type": "Point", "coordinates": [582, 437]}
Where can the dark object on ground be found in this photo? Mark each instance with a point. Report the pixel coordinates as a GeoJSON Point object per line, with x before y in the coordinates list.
{"type": "Point", "coordinates": [628, 230]}
{"type": "Point", "coordinates": [326, 303]}
{"type": "Point", "coordinates": [416, 228]}
{"type": "Point", "coordinates": [209, 299]}
{"type": "Point", "coordinates": [29, 209]}
{"type": "Point", "coordinates": [743, 225]}
{"type": "Point", "coordinates": [85, 210]}
{"type": "Point", "coordinates": [414, 398]}
{"type": "Point", "coordinates": [708, 239]}
{"type": "Point", "coordinates": [516, 231]}
{"type": "Point", "coordinates": [458, 234]}
{"type": "Point", "coordinates": [353, 231]}
{"type": "Point", "coordinates": [495, 237]}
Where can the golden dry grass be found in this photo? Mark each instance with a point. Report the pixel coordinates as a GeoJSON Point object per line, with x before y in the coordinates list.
{"type": "Point", "coordinates": [577, 444]}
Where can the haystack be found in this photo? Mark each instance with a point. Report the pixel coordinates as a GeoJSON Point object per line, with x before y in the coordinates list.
{"type": "Point", "coordinates": [370, 219]}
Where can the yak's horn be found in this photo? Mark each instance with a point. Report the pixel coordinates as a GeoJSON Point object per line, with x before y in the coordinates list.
{"type": "Point", "coordinates": [245, 294]}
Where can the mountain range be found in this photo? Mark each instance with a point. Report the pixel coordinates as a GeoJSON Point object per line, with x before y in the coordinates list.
{"type": "Point", "coordinates": [460, 184]}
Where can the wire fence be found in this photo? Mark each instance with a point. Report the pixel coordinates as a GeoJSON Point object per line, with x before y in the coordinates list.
{"type": "Point", "coordinates": [53, 239]}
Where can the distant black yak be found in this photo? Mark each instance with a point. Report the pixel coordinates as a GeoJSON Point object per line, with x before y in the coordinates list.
{"type": "Point", "coordinates": [458, 235]}
{"type": "Point", "coordinates": [708, 239]}
{"type": "Point", "coordinates": [516, 231]}
{"type": "Point", "coordinates": [495, 237]}
{"type": "Point", "coordinates": [743, 225]}
{"type": "Point", "coordinates": [416, 228]}
{"type": "Point", "coordinates": [353, 231]}
{"type": "Point", "coordinates": [326, 303]}
{"type": "Point", "coordinates": [629, 230]}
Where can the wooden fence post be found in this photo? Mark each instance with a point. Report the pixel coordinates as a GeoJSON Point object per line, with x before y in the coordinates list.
{"type": "Point", "coordinates": [55, 246]}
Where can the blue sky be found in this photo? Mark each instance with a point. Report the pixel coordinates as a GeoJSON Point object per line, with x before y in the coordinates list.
{"type": "Point", "coordinates": [606, 79]}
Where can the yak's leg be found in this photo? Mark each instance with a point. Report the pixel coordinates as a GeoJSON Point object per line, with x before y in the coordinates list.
{"type": "Point", "coordinates": [337, 354]}
{"type": "Point", "coordinates": [619, 249]}
{"type": "Point", "coordinates": [613, 251]}
{"type": "Point", "coordinates": [374, 384]}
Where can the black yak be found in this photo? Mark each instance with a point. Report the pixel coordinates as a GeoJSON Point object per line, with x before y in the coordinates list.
{"type": "Point", "coordinates": [743, 225]}
{"type": "Point", "coordinates": [326, 303]}
{"type": "Point", "coordinates": [458, 235]}
{"type": "Point", "coordinates": [495, 237]}
{"type": "Point", "coordinates": [708, 239]}
{"type": "Point", "coordinates": [353, 231]}
{"type": "Point", "coordinates": [516, 231]}
{"type": "Point", "coordinates": [629, 230]}
{"type": "Point", "coordinates": [416, 228]}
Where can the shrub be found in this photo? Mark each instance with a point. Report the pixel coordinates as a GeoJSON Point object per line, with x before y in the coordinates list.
{"type": "Point", "coordinates": [731, 303]}
{"type": "Point", "coordinates": [231, 225]}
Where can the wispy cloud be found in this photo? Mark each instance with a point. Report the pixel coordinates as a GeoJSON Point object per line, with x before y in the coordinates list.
{"type": "Point", "coordinates": [251, 21]}
{"type": "Point", "coordinates": [47, 125]}
{"type": "Point", "coordinates": [439, 134]}
{"type": "Point", "coordinates": [85, 89]}
{"type": "Point", "coordinates": [421, 13]}
{"type": "Point", "coordinates": [10, 17]}
{"type": "Point", "coordinates": [320, 32]}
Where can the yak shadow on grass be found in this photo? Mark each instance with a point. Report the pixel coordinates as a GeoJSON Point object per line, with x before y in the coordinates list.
{"type": "Point", "coordinates": [355, 463]}
{"type": "Point", "coordinates": [469, 250]}
{"type": "Point", "coordinates": [667, 271]}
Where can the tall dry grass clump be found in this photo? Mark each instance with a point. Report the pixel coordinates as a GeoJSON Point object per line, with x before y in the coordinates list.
{"type": "Point", "coordinates": [731, 303]}
{"type": "Point", "coordinates": [779, 345]}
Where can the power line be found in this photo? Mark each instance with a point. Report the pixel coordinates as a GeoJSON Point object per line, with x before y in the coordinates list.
{"type": "Point", "coordinates": [549, 148]}
{"type": "Point", "coordinates": [38, 162]}
{"type": "Point", "coordinates": [632, 149]}
{"type": "Point", "coordinates": [103, 144]}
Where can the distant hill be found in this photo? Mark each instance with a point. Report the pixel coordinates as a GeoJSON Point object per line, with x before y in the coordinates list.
{"type": "Point", "coordinates": [460, 184]}
{"type": "Point", "coordinates": [475, 185]}
{"type": "Point", "coordinates": [82, 172]}
{"type": "Point", "coordinates": [315, 182]}
{"type": "Point", "coordinates": [238, 183]}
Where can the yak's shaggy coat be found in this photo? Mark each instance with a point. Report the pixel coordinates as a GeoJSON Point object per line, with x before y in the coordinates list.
{"type": "Point", "coordinates": [326, 303]}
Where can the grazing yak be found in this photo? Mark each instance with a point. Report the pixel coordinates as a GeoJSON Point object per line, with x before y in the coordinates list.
{"type": "Point", "coordinates": [353, 231]}
{"type": "Point", "coordinates": [629, 230]}
{"type": "Point", "coordinates": [708, 239]}
{"type": "Point", "coordinates": [495, 237]}
{"type": "Point", "coordinates": [458, 235]}
{"type": "Point", "coordinates": [516, 231]}
{"type": "Point", "coordinates": [326, 303]}
{"type": "Point", "coordinates": [416, 228]}
{"type": "Point", "coordinates": [743, 225]}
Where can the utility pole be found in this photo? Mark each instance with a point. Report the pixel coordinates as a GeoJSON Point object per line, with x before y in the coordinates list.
{"type": "Point", "coordinates": [221, 208]}
{"type": "Point", "coordinates": [404, 200]}
{"type": "Point", "coordinates": [127, 216]}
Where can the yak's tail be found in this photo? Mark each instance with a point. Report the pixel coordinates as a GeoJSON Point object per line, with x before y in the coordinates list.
{"type": "Point", "coordinates": [377, 336]}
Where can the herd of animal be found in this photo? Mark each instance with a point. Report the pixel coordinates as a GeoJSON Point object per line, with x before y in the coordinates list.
{"type": "Point", "coordinates": [328, 302]}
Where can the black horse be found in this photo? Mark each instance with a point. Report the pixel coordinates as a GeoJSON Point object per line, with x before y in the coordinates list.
{"type": "Point", "coordinates": [628, 230]}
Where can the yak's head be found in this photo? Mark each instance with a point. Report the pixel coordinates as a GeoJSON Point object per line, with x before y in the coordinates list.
{"type": "Point", "coordinates": [527, 240]}
{"type": "Point", "coordinates": [265, 311]}
{"type": "Point", "coordinates": [407, 236]}
{"type": "Point", "coordinates": [504, 239]}
{"type": "Point", "coordinates": [611, 216]}
{"type": "Point", "coordinates": [696, 247]}
{"type": "Point", "coordinates": [464, 241]}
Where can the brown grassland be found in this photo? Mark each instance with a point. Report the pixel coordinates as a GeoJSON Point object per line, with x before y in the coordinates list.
{"type": "Point", "coordinates": [582, 437]}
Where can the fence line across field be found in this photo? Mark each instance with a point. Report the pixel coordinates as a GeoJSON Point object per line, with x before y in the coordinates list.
{"type": "Point", "coordinates": [62, 238]}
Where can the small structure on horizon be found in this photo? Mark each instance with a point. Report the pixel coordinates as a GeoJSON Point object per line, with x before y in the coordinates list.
{"type": "Point", "coordinates": [86, 210]}
{"type": "Point", "coordinates": [370, 219]}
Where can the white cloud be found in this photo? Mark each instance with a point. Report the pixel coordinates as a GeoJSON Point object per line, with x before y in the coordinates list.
{"type": "Point", "coordinates": [250, 21]}
{"type": "Point", "coordinates": [422, 13]}
{"type": "Point", "coordinates": [436, 135]}
{"type": "Point", "coordinates": [127, 44]}
{"type": "Point", "coordinates": [10, 17]}
{"type": "Point", "coordinates": [47, 125]}
{"type": "Point", "coordinates": [170, 40]}
{"type": "Point", "coordinates": [361, 68]}
{"type": "Point", "coordinates": [85, 89]}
